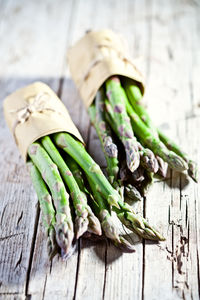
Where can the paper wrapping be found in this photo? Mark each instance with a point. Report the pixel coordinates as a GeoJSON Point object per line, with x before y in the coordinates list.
{"type": "Point", "coordinates": [96, 57]}
{"type": "Point", "coordinates": [35, 111]}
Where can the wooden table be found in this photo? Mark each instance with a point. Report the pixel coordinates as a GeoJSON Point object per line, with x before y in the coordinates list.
{"type": "Point", "coordinates": [164, 38]}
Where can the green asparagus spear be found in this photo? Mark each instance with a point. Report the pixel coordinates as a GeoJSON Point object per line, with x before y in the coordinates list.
{"type": "Point", "coordinates": [147, 157]}
{"type": "Point", "coordinates": [108, 223]}
{"type": "Point", "coordinates": [122, 122]}
{"type": "Point", "coordinates": [79, 202]}
{"type": "Point", "coordinates": [94, 225]}
{"type": "Point", "coordinates": [50, 174]}
{"type": "Point", "coordinates": [192, 166]}
{"type": "Point", "coordinates": [76, 150]}
{"type": "Point", "coordinates": [135, 96]}
{"type": "Point", "coordinates": [77, 173]}
{"type": "Point", "coordinates": [145, 134]}
{"type": "Point", "coordinates": [46, 206]}
{"type": "Point", "coordinates": [97, 118]}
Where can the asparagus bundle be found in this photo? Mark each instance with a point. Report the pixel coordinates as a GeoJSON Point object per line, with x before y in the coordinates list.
{"type": "Point", "coordinates": [75, 197]}
{"type": "Point", "coordinates": [135, 150]}
{"type": "Point", "coordinates": [138, 150]}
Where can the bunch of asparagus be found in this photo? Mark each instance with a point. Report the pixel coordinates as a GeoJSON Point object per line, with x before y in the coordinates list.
{"type": "Point", "coordinates": [134, 148]}
{"type": "Point", "coordinates": [76, 198]}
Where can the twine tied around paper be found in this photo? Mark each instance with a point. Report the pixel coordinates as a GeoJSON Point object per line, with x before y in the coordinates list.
{"type": "Point", "coordinates": [38, 105]}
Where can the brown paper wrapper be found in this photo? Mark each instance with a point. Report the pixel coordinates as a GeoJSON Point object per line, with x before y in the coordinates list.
{"type": "Point", "coordinates": [96, 57]}
{"type": "Point", "coordinates": [35, 111]}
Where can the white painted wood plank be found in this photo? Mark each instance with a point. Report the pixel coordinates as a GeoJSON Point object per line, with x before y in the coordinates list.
{"type": "Point", "coordinates": [33, 38]}
{"type": "Point", "coordinates": [17, 213]}
{"type": "Point", "coordinates": [170, 56]}
{"type": "Point", "coordinates": [175, 263]}
{"type": "Point", "coordinates": [177, 276]}
{"type": "Point", "coordinates": [18, 206]}
{"type": "Point", "coordinates": [13, 296]}
{"type": "Point", "coordinates": [186, 238]}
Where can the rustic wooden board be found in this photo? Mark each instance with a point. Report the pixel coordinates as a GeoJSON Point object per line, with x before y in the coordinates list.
{"type": "Point", "coordinates": [164, 38]}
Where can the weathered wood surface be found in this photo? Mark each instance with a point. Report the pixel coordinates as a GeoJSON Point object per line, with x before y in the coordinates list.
{"type": "Point", "coordinates": [164, 36]}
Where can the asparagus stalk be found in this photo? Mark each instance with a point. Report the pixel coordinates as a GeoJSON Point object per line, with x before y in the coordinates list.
{"type": "Point", "coordinates": [108, 223]}
{"type": "Point", "coordinates": [145, 134]}
{"type": "Point", "coordinates": [97, 117]}
{"type": "Point", "coordinates": [135, 96]}
{"type": "Point", "coordinates": [94, 225]}
{"type": "Point", "coordinates": [79, 202]}
{"type": "Point", "coordinates": [50, 174]}
{"type": "Point", "coordinates": [192, 166]}
{"type": "Point", "coordinates": [46, 206]}
{"type": "Point", "coordinates": [122, 122]}
{"type": "Point", "coordinates": [147, 157]}
{"type": "Point", "coordinates": [76, 150]}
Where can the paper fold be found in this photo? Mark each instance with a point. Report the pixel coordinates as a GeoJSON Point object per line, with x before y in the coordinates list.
{"type": "Point", "coordinates": [35, 111]}
{"type": "Point", "coordinates": [96, 57]}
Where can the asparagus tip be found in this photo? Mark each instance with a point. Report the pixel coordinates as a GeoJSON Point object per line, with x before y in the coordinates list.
{"type": "Point", "coordinates": [64, 237]}
{"type": "Point", "coordinates": [193, 170]}
{"type": "Point", "coordinates": [112, 201]}
{"type": "Point", "coordinates": [66, 255]}
{"type": "Point", "coordinates": [81, 226]}
{"type": "Point", "coordinates": [177, 163]}
{"type": "Point", "coordinates": [152, 232]}
{"type": "Point", "coordinates": [94, 225]}
{"type": "Point", "coordinates": [52, 247]}
{"type": "Point", "coordinates": [125, 246]}
{"type": "Point", "coordinates": [132, 161]}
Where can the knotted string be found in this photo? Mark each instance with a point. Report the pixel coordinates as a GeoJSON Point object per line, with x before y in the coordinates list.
{"type": "Point", "coordinates": [38, 105]}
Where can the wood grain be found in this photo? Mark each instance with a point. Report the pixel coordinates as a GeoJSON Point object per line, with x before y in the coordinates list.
{"type": "Point", "coordinates": [163, 37]}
